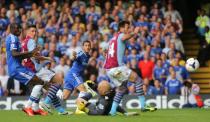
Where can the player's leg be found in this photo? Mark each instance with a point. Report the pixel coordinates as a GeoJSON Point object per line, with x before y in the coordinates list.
{"type": "Point", "coordinates": [139, 91]}
{"type": "Point", "coordinates": [55, 86]}
{"type": "Point", "coordinates": [34, 98]}
{"type": "Point", "coordinates": [120, 92]}
{"type": "Point", "coordinates": [51, 97]}
{"type": "Point", "coordinates": [49, 76]}
{"type": "Point", "coordinates": [118, 75]}
{"type": "Point", "coordinates": [33, 82]}
{"type": "Point", "coordinates": [83, 92]}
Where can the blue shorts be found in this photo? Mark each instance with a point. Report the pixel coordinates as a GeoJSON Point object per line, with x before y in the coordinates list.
{"type": "Point", "coordinates": [72, 81]}
{"type": "Point", "coordinates": [23, 75]}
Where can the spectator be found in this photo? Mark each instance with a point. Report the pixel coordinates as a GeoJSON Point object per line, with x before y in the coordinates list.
{"type": "Point", "coordinates": [78, 25]}
{"type": "Point", "coordinates": [160, 72]}
{"type": "Point", "coordinates": [173, 85]}
{"type": "Point", "coordinates": [166, 49]}
{"type": "Point", "coordinates": [202, 21]}
{"type": "Point", "coordinates": [132, 44]}
{"type": "Point", "coordinates": [175, 15]}
{"type": "Point", "coordinates": [181, 71]}
{"type": "Point", "coordinates": [133, 55]}
{"type": "Point", "coordinates": [155, 49]}
{"type": "Point", "coordinates": [133, 65]}
{"type": "Point", "coordinates": [12, 11]}
{"type": "Point", "coordinates": [158, 88]}
{"type": "Point", "coordinates": [62, 27]}
{"type": "Point", "coordinates": [62, 68]}
{"type": "Point", "coordinates": [63, 44]}
{"type": "Point", "coordinates": [203, 54]}
{"type": "Point", "coordinates": [146, 67]}
{"type": "Point", "coordinates": [97, 8]}
{"type": "Point", "coordinates": [178, 43]}
{"type": "Point", "coordinates": [166, 64]}
{"type": "Point", "coordinates": [149, 88]}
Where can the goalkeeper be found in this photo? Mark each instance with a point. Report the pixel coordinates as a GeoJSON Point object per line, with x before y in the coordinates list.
{"type": "Point", "coordinates": [104, 102]}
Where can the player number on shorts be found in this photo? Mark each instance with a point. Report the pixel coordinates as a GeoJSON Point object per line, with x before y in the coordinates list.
{"type": "Point", "coordinates": [111, 50]}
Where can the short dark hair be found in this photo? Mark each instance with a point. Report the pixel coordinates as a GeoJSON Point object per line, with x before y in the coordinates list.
{"type": "Point", "coordinates": [14, 26]}
{"type": "Point", "coordinates": [122, 24]}
{"type": "Point", "coordinates": [31, 26]}
{"type": "Point", "coordinates": [83, 43]}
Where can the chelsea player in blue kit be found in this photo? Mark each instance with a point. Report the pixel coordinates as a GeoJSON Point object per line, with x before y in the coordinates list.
{"type": "Point", "coordinates": [73, 79]}
{"type": "Point", "coordinates": [14, 59]}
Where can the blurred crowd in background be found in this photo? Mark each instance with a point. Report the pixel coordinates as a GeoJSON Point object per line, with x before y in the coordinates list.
{"type": "Point", "coordinates": [157, 54]}
{"type": "Point", "coordinates": [202, 23]}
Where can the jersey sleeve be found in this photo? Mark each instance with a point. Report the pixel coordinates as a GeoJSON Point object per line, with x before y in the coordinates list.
{"type": "Point", "coordinates": [120, 37]}
{"type": "Point", "coordinates": [14, 43]}
{"type": "Point", "coordinates": [79, 55]}
{"type": "Point", "coordinates": [31, 45]}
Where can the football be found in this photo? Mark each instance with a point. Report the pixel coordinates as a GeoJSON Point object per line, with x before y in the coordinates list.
{"type": "Point", "coordinates": [192, 64]}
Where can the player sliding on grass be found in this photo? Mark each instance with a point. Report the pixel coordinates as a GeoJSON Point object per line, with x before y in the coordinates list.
{"type": "Point", "coordinates": [14, 59]}
{"type": "Point", "coordinates": [48, 76]}
{"type": "Point", "coordinates": [118, 71]}
{"type": "Point", "coordinates": [104, 102]}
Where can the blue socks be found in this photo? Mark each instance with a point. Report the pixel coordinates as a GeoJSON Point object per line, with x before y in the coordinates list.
{"type": "Point", "coordinates": [56, 103]}
{"type": "Point", "coordinates": [142, 101]}
{"type": "Point", "coordinates": [60, 109]}
{"type": "Point", "coordinates": [52, 93]}
{"type": "Point", "coordinates": [113, 110]}
{"type": "Point", "coordinates": [140, 92]}
{"type": "Point", "coordinates": [47, 100]}
{"type": "Point", "coordinates": [117, 99]}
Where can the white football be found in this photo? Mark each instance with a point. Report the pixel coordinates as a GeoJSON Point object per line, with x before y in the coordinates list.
{"type": "Point", "coordinates": [192, 64]}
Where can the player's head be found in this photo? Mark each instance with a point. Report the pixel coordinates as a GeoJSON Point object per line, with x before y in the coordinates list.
{"type": "Point", "coordinates": [31, 31]}
{"type": "Point", "coordinates": [86, 46]}
{"type": "Point", "coordinates": [103, 87]}
{"type": "Point", "coordinates": [123, 26]}
{"type": "Point", "coordinates": [15, 29]}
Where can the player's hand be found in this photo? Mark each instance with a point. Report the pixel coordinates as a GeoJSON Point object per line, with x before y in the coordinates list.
{"type": "Point", "coordinates": [36, 51]}
{"type": "Point", "coordinates": [49, 59]}
{"type": "Point", "coordinates": [60, 94]}
{"type": "Point", "coordinates": [73, 55]}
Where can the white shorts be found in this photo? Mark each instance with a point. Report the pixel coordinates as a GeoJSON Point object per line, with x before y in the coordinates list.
{"type": "Point", "coordinates": [119, 74]}
{"type": "Point", "coordinates": [45, 74]}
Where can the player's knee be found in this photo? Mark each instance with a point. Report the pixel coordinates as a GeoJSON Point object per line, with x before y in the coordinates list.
{"type": "Point", "coordinates": [85, 95]}
{"type": "Point", "coordinates": [37, 81]}
{"type": "Point", "coordinates": [133, 76]}
{"type": "Point", "coordinates": [81, 88]}
{"type": "Point", "coordinates": [65, 96]}
{"type": "Point", "coordinates": [80, 100]}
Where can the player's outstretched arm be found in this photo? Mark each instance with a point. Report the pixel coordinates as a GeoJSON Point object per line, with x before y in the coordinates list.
{"type": "Point", "coordinates": [131, 34]}
{"type": "Point", "coordinates": [42, 58]}
{"type": "Point", "coordinates": [24, 55]}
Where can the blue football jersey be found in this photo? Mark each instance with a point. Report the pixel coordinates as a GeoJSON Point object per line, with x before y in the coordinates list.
{"type": "Point", "coordinates": [12, 43]}
{"type": "Point", "coordinates": [80, 62]}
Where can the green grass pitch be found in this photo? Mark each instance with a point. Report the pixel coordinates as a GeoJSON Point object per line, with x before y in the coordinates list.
{"type": "Point", "coordinates": [173, 115]}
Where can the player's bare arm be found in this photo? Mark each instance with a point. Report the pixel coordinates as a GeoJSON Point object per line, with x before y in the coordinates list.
{"type": "Point", "coordinates": [24, 55]}
{"type": "Point", "coordinates": [130, 35]}
{"type": "Point", "coordinates": [43, 58]}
